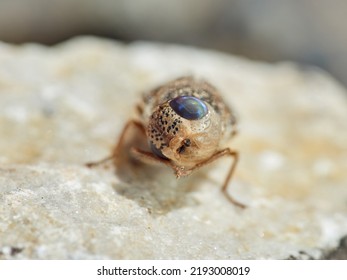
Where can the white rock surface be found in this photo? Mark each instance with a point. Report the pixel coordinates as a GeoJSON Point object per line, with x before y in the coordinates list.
{"type": "Point", "coordinates": [63, 106]}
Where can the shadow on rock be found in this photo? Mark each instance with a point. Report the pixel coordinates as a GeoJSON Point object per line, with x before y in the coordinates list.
{"type": "Point", "coordinates": [155, 187]}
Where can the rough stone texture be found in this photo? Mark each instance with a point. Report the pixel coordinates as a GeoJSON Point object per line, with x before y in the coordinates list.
{"type": "Point", "coordinates": [63, 106]}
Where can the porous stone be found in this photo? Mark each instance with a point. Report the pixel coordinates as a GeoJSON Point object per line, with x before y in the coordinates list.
{"type": "Point", "coordinates": [66, 105]}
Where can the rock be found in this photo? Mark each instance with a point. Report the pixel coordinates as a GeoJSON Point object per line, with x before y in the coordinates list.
{"type": "Point", "coordinates": [63, 106]}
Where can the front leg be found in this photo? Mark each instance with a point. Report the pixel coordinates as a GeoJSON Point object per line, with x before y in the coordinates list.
{"type": "Point", "coordinates": [117, 150]}
{"type": "Point", "coordinates": [217, 155]}
{"type": "Point", "coordinates": [149, 157]}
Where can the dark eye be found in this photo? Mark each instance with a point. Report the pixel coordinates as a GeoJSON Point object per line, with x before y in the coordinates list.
{"type": "Point", "coordinates": [189, 107]}
{"type": "Point", "coordinates": [156, 151]}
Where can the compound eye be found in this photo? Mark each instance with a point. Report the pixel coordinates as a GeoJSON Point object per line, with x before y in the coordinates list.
{"type": "Point", "coordinates": [189, 107]}
{"type": "Point", "coordinates": [156, 151]}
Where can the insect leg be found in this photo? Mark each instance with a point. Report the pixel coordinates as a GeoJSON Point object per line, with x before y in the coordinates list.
{"type": "Point", "coordinates": [217, 155]}
{"type": "Point", "coordinates": [149, 157]}
{"type": "Point", "coordinates": [130, 124]}
{"type": "Point", "coordinates": [99, 162]}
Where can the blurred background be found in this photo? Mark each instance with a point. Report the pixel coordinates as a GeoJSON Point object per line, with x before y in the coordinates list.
{"type": "Point", "coordinates": [310, 32]}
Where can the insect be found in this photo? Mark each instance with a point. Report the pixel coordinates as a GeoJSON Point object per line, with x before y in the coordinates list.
{"type": "Point", "coordinates": [187, 125]}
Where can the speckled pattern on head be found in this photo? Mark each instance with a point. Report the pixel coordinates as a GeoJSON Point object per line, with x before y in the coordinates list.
{"type": "Point", "coordinates": [188, 86]}
{"type": "Point", "coordinates": [168, 122]}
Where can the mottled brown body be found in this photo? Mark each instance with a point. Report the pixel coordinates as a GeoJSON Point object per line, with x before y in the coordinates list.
{"type": "Point", "coordinates": [184, 138]}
